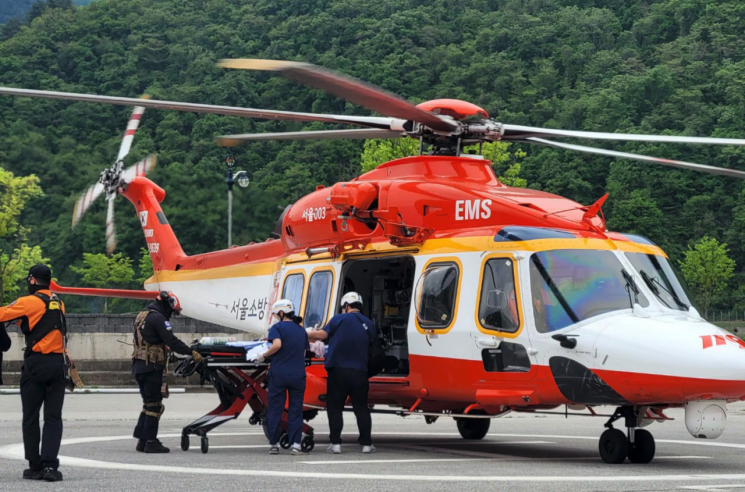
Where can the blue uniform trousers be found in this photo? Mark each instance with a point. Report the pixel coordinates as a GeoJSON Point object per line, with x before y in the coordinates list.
{"type": "Point", "coordinates": [280, 386]}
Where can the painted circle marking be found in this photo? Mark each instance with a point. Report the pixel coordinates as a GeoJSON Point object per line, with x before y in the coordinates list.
{"type": "Point", "coordinates": [16, 452]}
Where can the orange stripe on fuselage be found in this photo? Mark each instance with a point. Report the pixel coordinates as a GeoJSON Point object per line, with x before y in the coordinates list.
{"type": "Point", "coordinates": [431, 246]}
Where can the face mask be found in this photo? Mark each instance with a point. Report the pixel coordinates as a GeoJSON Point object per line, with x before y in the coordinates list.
{"type": "Point", "coordinates": [34, 288]}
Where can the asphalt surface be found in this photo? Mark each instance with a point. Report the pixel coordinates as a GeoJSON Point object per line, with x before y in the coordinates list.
{"type": "Point", "coordinates": [521, 453]}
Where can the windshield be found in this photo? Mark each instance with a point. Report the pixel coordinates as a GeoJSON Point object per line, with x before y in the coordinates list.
{"type": "Point", "coordinates": [659, 276]}
{"type": "Point", "coordinates": [569, 286]}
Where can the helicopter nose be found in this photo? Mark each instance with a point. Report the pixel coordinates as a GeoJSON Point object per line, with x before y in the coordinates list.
{"type": "Point", "coordinates": [671, 359]}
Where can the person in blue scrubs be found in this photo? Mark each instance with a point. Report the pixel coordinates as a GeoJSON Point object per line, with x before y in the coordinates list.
{"type": "Point", "coordinates": [286, 375]}
{"type": "Point", "coordinates": [350, 335]}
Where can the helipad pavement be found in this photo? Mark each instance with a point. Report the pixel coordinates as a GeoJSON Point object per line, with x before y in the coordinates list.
{"type": "Point", "coordinates": [520, 453]}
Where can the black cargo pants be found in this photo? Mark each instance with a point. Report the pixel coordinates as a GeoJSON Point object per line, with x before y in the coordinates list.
{"type": "Point", "coordinates": [152, 404]}
{"type": "Point", "coordinates": [42, 383]}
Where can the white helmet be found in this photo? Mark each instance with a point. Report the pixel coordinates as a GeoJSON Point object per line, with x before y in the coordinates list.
{"type": "Point", "coordinates": [351, 298]}
{"type": "Point", "coordinates": [283, 306]}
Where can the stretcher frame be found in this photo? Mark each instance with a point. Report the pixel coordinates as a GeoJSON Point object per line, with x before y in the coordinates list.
{"type": "Point", "coordinates": [238, 383]}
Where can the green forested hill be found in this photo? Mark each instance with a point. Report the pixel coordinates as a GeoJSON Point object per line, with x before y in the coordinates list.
{"type": "Point", "coordinates": [659, 66]}
{"type": "Point", "coordinates": [13, 9]}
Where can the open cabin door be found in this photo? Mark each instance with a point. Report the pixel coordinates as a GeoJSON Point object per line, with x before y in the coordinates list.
{"type": "Point", "coordinates": [386, 285]}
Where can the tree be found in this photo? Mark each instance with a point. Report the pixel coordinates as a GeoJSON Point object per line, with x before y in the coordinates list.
{"type": "Point", "coordinates": [16, 257]}
{"type": "Point", "coordinates": [707, 268]}
{"type": "Point", "coordinates": [14, 269]}
{"type": "Point", "coordinates": [146, 266]}
{"type": "Point", "coordinates": [102, 271]}
{"type": "Point", "coordinates": [377, 152]}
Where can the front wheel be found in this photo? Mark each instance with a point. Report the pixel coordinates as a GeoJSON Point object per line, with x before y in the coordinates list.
{"type": "Point", "coordinates": [184, 442]}
{"type": "Point", "coordinates": [473, 429]}
{"type": "Point", "coordinates": [307, 444]}
{"type": "Point", "coordinates": [614, 446]}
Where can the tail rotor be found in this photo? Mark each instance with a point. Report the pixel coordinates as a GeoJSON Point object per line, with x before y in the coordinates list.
{"type": "Point", "coordinates": [113, 179]}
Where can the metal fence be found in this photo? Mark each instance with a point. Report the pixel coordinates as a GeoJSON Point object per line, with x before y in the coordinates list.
{"type": "Point", "coordinates": [717, 315]}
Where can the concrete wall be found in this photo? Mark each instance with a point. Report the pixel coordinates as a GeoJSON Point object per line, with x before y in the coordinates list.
{"type": "Point", "coordinates": [96, 337]}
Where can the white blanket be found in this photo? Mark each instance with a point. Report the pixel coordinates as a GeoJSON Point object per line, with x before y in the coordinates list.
{"type": "Point", "coordinates": [254, 353]}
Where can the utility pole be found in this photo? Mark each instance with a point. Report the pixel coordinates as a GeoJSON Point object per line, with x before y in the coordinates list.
{"type": "Point", "coordinates": [243, 181]}
{"type": "Point", "coordinates": [230, 161]}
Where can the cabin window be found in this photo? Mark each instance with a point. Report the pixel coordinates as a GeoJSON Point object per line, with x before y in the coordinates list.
{"type": "Point", "coordinates": [317, 305]}
{"type": "Point", "coordinates": [293, 289]}
{"type": "Point", "coordinates": [498, 308]}
{"type": "Point", "coordinates": [437, 295]}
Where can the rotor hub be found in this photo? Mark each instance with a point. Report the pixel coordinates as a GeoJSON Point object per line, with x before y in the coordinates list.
{"type": "Point", "coordinates": [455, 108]}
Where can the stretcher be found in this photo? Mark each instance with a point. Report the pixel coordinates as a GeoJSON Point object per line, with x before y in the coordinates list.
{"type": "Point", "coordinates": [238, 383]}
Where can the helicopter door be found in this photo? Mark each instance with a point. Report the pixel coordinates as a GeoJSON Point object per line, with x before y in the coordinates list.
{"type": "Point", "coordinates": [385, 285]}
{"type": "Point", "coordinates": [502, 340]}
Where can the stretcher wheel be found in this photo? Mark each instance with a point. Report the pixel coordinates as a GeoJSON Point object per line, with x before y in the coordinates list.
{"type": "Point", "coordinates": [307, 444]}
{"type": "Point", "coordinates": [184, 442]}
{"type": "Point", "coordinates": [205, 445]}
{"type": "Point", "coordinates": [284, 441]}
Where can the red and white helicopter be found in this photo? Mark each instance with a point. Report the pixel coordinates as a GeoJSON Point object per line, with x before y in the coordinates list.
{"type": "Point", "coordinates": [490, 298]}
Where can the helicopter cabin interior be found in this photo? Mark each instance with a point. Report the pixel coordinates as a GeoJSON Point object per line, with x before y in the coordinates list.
{"type": "Point", "coordinates": [386, 286]}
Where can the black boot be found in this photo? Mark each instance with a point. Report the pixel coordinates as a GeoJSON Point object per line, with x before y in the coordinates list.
{"type": "Point", "coordinates": [141, 445]}
{"type": "Point", "coordinates": [156, 447]}
{"type": "Point", "coordinates": [29, 474]}
{"type": "Point", "coordinates": [52, 475]}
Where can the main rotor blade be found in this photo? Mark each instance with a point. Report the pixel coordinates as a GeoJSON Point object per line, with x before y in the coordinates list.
{"type": "Point", "coordinates": [352, 90]}
{"type": "Point", "coordinates": [84, 202]}
{"type": "Point", "coordinates": [518, 132]}
{"type": "Point", "coordinates": [140, 169]}
{"type": "Point", "coordinates": [363, 134]}
{"type": "Point", "coordinates": [129, 134]}
{"type": "Point", "coordinates": [267, 114]}
{"type": "Point", "coordinates": [637, 157]}
{"type": "Point", "coordinates": [110, 231]}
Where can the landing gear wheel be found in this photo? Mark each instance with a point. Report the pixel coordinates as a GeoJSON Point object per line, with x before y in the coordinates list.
{"type": "Point", "coordinates": [184, 442]}
{"type": "Point", "coordinates": [614, 446]}
{"type": "Point", "coordinates": [284, 441]}
{"type": "Point", "coordinates": [643, 449]}
{"type": "Point", "coordinates": [205, 445]}
{"type": "Point", "coordinates": [307, 444]}
{"type": "Point", "coordinates": [473, 429]}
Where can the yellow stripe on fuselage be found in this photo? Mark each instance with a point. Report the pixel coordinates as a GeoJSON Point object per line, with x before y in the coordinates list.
{"type": "Point", "coordinates": [430, 247]}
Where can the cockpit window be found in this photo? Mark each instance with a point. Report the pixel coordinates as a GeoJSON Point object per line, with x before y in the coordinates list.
{"type": "Point", "coordinates": [659, 276]}
{"type": "Point", "coordinates": [569, 286]}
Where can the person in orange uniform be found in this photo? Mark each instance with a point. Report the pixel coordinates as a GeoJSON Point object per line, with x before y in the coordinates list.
{"type": "Point", "coordinates": [43, 374]}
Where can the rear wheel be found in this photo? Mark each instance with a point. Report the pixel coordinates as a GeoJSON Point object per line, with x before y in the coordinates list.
{"type": "Point", "coordinates": [643, 449]}
{"type": "Point", "coordinates": [473, 429]}
{"type": "Point", "coordinates": [614, 446]}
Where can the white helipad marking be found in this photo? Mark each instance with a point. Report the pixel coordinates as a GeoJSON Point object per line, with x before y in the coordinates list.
{"type": "Point", "coordinates": [716, 488]}
{"type": "Point", "coordinates": [355, 462]}
{"type": "Point", "coordinates": [483, 443]}
{"type": "Point", "coordinates": [496, 458]}
{"type": "Point", "coordinates": [16, 452]}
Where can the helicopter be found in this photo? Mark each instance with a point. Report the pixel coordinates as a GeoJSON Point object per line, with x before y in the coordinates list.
{"type": "Point", "coordinates": [488, 299]}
